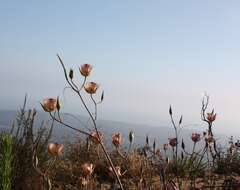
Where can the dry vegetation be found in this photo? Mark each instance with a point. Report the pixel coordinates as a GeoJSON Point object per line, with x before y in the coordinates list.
{"type": "Point", "coordinates": [86, 163]}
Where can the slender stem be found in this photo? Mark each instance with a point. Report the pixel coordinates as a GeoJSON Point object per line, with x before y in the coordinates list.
{"type": "Point", "coordinates": [93, 120]}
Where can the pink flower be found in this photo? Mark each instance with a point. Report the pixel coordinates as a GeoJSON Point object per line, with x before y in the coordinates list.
{"type": "Point", "coordinates": [196, 137]}
{"type": "Point", "coordinates": [85, 69]}
{"type": "Point", "coordinates": [111, 172]}
{"type": "Point", "coordinates": [49, 104]}
{"type": "Point", "coordinates": [117, 139]}
{"type": "Point", "coordinates": [165, 147]}
{"type": "Point", "coordinates": [173, 142]}
{"type": "Point", "coordinates": [91, 87]}
{"type": "Point", "coordinates": [211, 116]}
{"type": "Point", "coordinates": [95, 138]}
{"type": "Point", "coordinates": [87, 169]}
{"type": "Point", "coordinates": [55, 149]}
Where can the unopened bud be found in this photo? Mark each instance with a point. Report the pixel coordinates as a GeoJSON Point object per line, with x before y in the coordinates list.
{"type": "Point", "coordinates": [131, 136]}
{"type": "Point", "coordinates": [70, 74]}
{"type": "Point", "coordinates": [58, 104]}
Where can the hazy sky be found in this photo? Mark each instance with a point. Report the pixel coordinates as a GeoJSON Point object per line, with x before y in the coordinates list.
{"type": "Point", "coordinates": [146, 55]}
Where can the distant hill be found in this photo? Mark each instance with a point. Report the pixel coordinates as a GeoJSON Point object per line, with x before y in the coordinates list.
{"type": "Point", "coordinates": [60, 133]}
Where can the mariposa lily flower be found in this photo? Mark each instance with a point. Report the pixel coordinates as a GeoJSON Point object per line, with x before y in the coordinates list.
{"type": "Point", "coordinates": [91, 87]}
{"type": "Point", "coordinates": [165, 147]}
{"type": "Point", "coordinates": [82, 181]}
{"type": "Point", "coordinates": [117, 139]}
{"type": "Point", "coordinates": [55, 149]}
{"type": "Point", "coordinates": [211, 117]}
{"type": "Point", "coordinates": [49, 104]}
{"type": "Point", "coordinates": [95, 138]}
{"type": "Point", "coordinates": [209, 138]}
{"type": "Point", "coordinates": [196, 137]}
{"type": "Point", "coordinates": [173, 142]}
{"type": "Point", "coordinates": [118, 170]}
{"type": "Point", "coordinates": [85, 69]}
{"type": "Point", "coordinates": [87, 169]}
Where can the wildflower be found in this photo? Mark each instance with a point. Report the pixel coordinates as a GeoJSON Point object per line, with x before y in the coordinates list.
{"type": "Point", "coordinates": [85, 69]}
{"type": "Point", "coordinates": [173, 142]}
{"type": "Point", "coordinates": [96, 137]}
{"type": "Point", "coordinates": [55, 149]}
{"type": "Point", "coordinates": [91, 87]}
{"type": "Point", "coordinates": [117, 139]}
{"type": "Point", "coordinates": [196, 137]}
{"type": "Point", "coordinates": [158, 152]}
{"type": "Point", "coordinates": [165, 147]}
{"type": "Point", "coordinates": [118, 170]}
{"type": "Point", "coordinates": [82, 181]}
{"type": "Point", "coordinates": [211, 116]}
{"type": "Point", "coordinates": [87, 169]}
{"type": "Point", "coordinates": [209, 138]}
{"type": "Point", "coordinates": [49, 104]}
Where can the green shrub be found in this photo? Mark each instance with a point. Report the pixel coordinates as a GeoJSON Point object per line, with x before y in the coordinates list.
{"type": "Point", "coordinates": [6, 161]}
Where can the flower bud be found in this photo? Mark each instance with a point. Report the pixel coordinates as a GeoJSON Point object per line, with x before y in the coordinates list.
{"type": "Point", "coordinates": [58, 104]}
{"type": "Point", "coordinates": [183, 145]}
{"type": "Point", "coordinates": [170, 110]}
{"type": "Point", "coordinates": [131, 136]}
{"type": "Point", "coordinates": [147, 140]}
{"type": "Point", "coordinates": [154, 146]}
{"type": "Point", "coordinates": [70, 74]}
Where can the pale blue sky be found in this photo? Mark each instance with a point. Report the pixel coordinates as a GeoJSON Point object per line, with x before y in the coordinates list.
{"type": "Point", "coordinates": [146, 55]}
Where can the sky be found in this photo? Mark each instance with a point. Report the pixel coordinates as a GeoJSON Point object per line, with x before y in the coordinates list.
{"type": "Point", "coordinates": [146, 55]}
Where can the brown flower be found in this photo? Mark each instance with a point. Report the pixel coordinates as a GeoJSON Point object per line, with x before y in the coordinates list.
{"type": "Point", "coordinates": [82, 181]}
{"type": "Point", "coordinates": [87, 169]}
{"type": "Point", "coordinates": [111, 172]}
{"type": "Point", "coordinates": [209, 138]}
{"type": "Point", "coordinates": [49, 104]}
{"type": "Point", "coordinates": [158, 152]}
{"type": "Point", "coordinates": [172, 141]}
{"type": "Point", "coordinates": [196, 137]}
{"type": "Point", "coordinates": [211, 116]}
{"type": "Point", "coordinates": [165, 147]}
{"type": "Point", "coordinates": [91, 87]}
{"type": "Point", "coordinates": [117, 139]}
{"type": "Point", "coordinates": [85, 69]}
{"type": "Point", "coordinates": [95, 138]}
{"type": "Point", "coordinates": [55, 149]}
